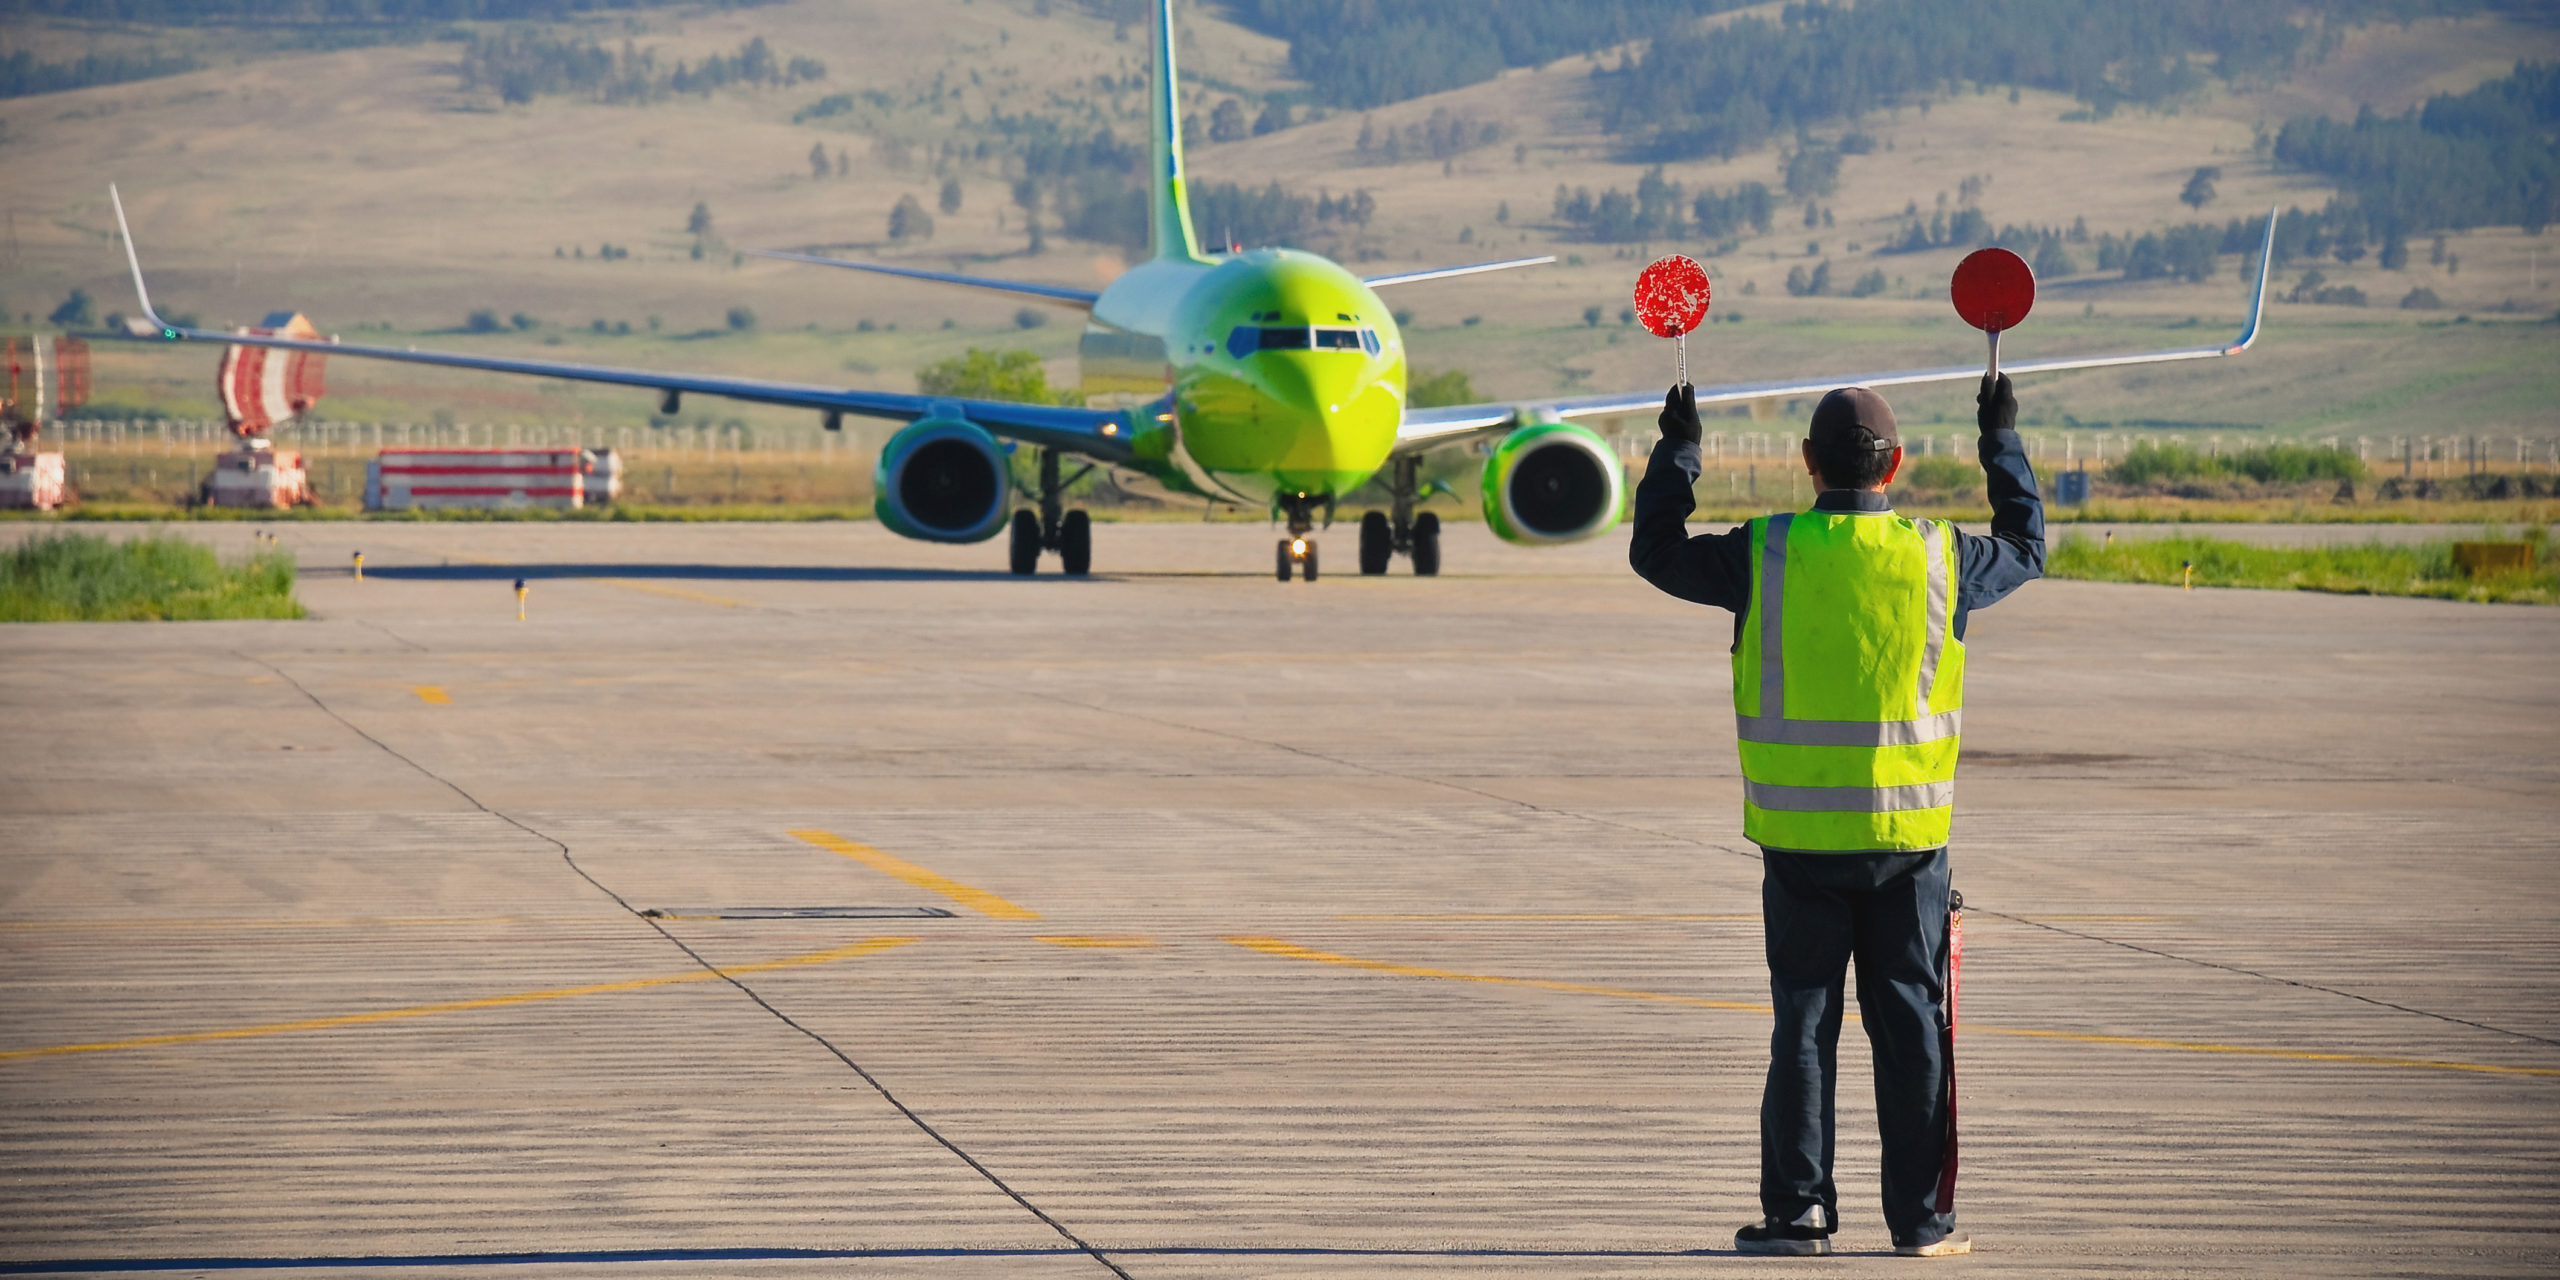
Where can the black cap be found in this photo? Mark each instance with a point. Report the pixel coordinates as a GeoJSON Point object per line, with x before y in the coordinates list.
{"type": "Point", "coordinates": [1854, 418]}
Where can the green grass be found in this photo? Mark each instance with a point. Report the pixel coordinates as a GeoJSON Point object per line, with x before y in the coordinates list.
{"type": "Point", "coordinates": [74, 577]}
{"type": "Point", "coordinates": [2422, 569]}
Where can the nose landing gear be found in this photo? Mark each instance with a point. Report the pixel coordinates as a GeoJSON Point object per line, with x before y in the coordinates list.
{"type": "Point", "coordinates": [1298, 550]}
{"type": "Point", "coordinates": [1069, 533]}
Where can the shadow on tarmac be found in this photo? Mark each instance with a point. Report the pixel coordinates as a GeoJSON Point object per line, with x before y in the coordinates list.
{"type": "Point", "coordinates": [404, 1261]}
{"type": "Point", "coordinates": [694, 572]}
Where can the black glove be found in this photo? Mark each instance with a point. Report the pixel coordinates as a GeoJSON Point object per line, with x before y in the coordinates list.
{"type": "Point", "coordinates": [1680, 415]}
{"type": "Point", "coordinates": [1996, 406]}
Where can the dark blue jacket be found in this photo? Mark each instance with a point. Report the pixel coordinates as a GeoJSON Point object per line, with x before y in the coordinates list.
{"type": "Point", "coordinates": [1715, 568]}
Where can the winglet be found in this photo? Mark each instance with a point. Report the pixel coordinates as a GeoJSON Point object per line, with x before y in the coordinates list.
{"type": "Point", "coordinates": [150, 325]}
{"type": "Point", "coordinates": [2258, 307]}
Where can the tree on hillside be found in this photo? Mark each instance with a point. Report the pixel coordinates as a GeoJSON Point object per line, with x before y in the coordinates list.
{"type": "Point", "coordinates": [1274, 118]}
{"type": "Point", "coordinates": [1226, 124]}
{"type": "Point", "coordinates": [909, 219]}
{"type": "Point", "coordinates": [1026, 193]}
{"type": "Point", "coordinates": [699, 225]}
{"type": "Point", "coordinates": [979, 374]}
{"type": "Point", "coordinates": [819, 165]}
{"type": "Point", "coordinates": [950, 196]}
{"type": "Point", "coordinates": [1449, 386]}
{"type": "Point", "coordinates": [2199, 191]}
{"type": "Point", "coordinates": [74, 311]}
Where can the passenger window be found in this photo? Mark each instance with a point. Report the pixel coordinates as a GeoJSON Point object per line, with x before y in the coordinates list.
{"type": "Point", "coordinates": [1240, 341]}
{"type": "Point", "coordinates": [1337, 339]}
{"type": "Point", "coordinates": [1289, 339]}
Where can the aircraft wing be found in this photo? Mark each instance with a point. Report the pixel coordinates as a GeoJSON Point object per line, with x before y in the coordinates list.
{"type": "Point", "coordinates": [1058, 295]}
{"type": "Point", "coordinates": [1100, 434]}
{"type": "Point", "coordinates": [1426, 429]}
{"type": "Point", "coordinates": [1443, 273]}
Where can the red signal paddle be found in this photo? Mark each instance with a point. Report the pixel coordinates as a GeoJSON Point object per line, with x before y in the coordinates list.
{"type": "Point", "coordinates": [1671, 300]}
{"type": "Point", "coordinates": [1993, 290]}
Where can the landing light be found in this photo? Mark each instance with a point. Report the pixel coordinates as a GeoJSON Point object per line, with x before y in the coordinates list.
{"type": "Point", "coordinates": [1111, 428]}
{"type": "Point", "coordinates": [1297, 546]}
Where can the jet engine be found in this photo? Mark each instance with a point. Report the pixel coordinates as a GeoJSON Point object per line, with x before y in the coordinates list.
{"type": "Point", "coordinates": [1552, 482]}
{"type": "Point", "coordinates": [942, 480]}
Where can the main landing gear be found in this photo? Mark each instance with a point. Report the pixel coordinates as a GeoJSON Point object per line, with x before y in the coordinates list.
{"type": "Point", "coordinates": [1069, 533]}
{"type": "Point", "coordinates": [1417, 536]}
{"type": "Point", "coordinates": [1298, 550]}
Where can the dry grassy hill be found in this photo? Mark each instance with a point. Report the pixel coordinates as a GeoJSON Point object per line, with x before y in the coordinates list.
{"type": "Point", "coordinates": [368, 189]}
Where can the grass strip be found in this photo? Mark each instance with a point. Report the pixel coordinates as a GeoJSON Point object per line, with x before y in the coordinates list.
{"type": "Point", "coordinates": [78, 577]}
{"type": "Point", "coordinates": [2367, 569]}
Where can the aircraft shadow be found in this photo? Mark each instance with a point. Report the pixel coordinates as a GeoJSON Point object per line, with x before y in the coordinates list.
{"type": "Point", "coordinates": [695, 573]}
{"type": "Point", "coordinates": [354, 1262]}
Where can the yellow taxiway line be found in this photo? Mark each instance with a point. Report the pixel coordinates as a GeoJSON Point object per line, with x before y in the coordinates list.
{"type": "Point", "coordinates": [432, 695]}
{"type": "Point", "coordinates": [829, 956]}
{"type": "Point", "coordinates": [978, 900]}
{"type": "Point", "coordinates": [1291, 951]}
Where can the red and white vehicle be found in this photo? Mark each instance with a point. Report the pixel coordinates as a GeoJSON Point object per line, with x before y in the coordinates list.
{"type": "Point", "coordinates": [261, 387]}
{"type": "Point", "coordinates": [46, 379]}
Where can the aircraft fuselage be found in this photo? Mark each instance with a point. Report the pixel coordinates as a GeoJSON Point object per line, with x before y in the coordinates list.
{"type": "Point", "coordinates": [1282, 373]}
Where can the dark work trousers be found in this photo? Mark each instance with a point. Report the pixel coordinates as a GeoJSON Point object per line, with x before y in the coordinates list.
{"type": "Point", "coordinates": [1888, 912]}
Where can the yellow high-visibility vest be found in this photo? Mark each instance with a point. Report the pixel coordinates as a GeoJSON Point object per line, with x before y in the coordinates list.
{"type": "Point", "coordinates": [1848, 686]}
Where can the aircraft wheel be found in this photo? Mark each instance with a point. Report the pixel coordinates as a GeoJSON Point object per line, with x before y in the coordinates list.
{"type": "Point", "coordinates": [1377, 543]}
{"type": "Point", "coordinates": [1026, 542]}
{"type": "Point", "coordinates": [1282, 555]}
{"type": "Point", "coordinates": [1307, 567]}
{"type": "Point", "coordinates": [1426, 545]}
{"type": "Point", "coordinates": [1075, 543]}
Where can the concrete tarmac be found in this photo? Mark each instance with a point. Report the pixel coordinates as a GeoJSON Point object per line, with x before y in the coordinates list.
{"type": "Point", "coordinates": [794, 900]}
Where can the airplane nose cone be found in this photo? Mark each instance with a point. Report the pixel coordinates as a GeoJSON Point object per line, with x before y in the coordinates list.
{"type": "Point", "coordinates": [1314, 392]}
{"type": "Point", "coordinates": [1333, 421]}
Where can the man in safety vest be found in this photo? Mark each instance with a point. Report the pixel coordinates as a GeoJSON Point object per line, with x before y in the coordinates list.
{"type": "Point", "coordinates": [1848, 692]}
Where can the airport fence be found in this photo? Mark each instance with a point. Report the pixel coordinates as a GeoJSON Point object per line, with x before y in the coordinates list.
{"type": "Point", "coordinates": [165, 460]}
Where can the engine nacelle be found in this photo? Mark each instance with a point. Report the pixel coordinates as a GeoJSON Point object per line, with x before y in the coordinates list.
{"type": "Point", "coordinates": [942, 480]}
{"type": "Point", "coordinates": [1552, 482]}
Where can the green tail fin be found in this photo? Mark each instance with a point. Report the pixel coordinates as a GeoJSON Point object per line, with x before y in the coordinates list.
{"type": "Point", "coordinates": [1169, 232]}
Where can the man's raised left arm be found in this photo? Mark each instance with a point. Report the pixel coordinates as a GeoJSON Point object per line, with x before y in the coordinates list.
{"type": "Point", "coordinates": [2013, 554]}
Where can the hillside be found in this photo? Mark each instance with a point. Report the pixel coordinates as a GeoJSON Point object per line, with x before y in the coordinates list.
{"type": "Point", "coordinates": [371, 189]}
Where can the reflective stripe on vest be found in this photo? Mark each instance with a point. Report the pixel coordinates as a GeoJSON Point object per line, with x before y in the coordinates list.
{"type": "Point", "coordinates": [1816, 779]}
{"type": "Point", "coordinates": [1920, 795]}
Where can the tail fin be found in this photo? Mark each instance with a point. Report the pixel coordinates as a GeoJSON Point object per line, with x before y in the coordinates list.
{"type": "Point", "coordinates": [1169, 232]}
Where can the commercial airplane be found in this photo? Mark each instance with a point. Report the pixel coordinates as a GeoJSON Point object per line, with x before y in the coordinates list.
{"type": "Point", "coordinates": [1266, 376]}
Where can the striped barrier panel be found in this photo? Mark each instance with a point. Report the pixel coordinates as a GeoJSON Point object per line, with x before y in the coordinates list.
{"type": "Point", "coordinates": [402, 479]}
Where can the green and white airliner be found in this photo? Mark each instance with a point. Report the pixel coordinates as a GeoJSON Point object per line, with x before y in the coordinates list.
{"type": "Point", "coordinates": [1262, 377]}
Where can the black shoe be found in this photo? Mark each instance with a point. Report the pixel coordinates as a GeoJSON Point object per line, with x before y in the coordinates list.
{"type": "Point", "coordinates": [1809, 1236]}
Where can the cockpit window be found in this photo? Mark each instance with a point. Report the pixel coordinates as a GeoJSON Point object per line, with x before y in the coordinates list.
{"type": "Point", "coordinates": [1244, 340]}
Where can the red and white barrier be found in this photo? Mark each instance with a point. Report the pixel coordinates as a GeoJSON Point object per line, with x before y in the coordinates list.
{"type": "Point", "coordinates": [426, 479]}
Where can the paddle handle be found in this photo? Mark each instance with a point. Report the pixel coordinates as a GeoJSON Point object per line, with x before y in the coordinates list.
{"type": "Point", "coordinates": [1992, 371]}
